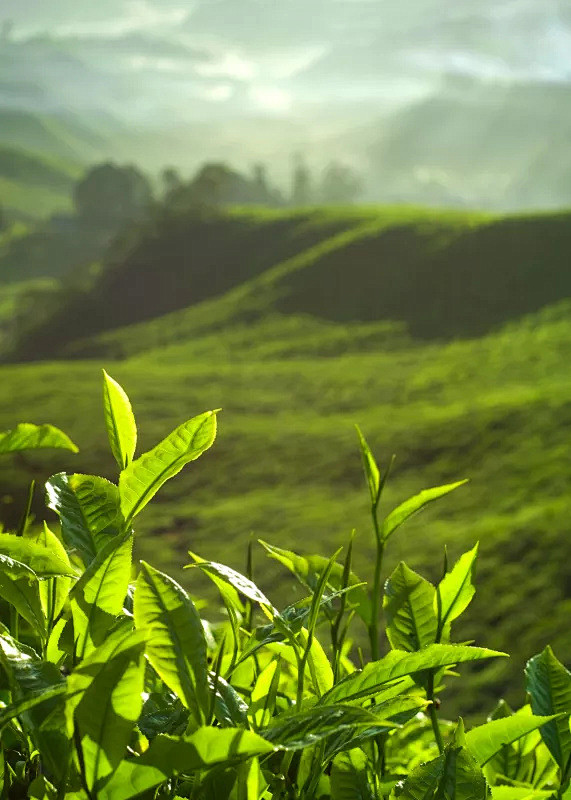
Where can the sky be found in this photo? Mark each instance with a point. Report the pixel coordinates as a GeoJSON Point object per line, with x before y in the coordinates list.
{"type": "Point", "coordinates": [246, 80]}
{"type": "Point", "coordinates": [282, 57]}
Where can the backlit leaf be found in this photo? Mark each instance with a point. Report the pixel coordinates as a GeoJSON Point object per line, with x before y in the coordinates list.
{"type": "Point", "coordinates": [168, 756]}
{"type": "Point", "coordinates": [176, 645]}
{"type": "Point", "coordinates": [97, 598]}
{"type": "Point", "coordinates": [26, 436]}
{"type": "Point", "coordinates": [88, 508]}
{"type": "Point", "coordinates": [406, 510]}
{"type": "Point", "coordinates": [119, 420]}
{"type": "Point", "coordinates": [142, 479]}
{"type": "Point", "coordinates": [409, 612]}
{"type": "Point", "coordinates": [549, 687]}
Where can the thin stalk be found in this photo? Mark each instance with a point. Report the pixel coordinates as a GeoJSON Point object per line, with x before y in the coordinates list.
{"type": "Point", "coordinates": [433, 715]}
{"type": "Point", "coordinates": [376, 595]}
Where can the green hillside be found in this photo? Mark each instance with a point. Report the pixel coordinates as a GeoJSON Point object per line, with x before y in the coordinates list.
{"type": "Point", "coordinates": [463, 374]}
{"type": "Point", "coordinates": [32, 185]}
{"type": "Point", "coordinates": [442, 275]}
{"type": "Point", "coordinates": [59, 136]}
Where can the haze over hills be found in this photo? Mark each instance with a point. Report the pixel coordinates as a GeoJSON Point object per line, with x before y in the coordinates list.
{"type": "Point", "coordinates": [456, 104]}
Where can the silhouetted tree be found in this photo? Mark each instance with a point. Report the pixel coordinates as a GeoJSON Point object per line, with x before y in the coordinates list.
{"type": "Point", "coordinates": [301, 192]}
{"type": "Point", "coordinates": [339, 185]}
{"type": "Point", "coordinates": [110, 195]}
{"type": "Point", "coordinates": [171, 181]}
{"type": "Point", "coordinates": [216, 185]}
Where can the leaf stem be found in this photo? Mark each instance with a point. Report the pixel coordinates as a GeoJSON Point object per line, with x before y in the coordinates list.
{"type": "Point", "coordinates": [432, 712]}
{"type": "Point", "coordinates": [377, 591]}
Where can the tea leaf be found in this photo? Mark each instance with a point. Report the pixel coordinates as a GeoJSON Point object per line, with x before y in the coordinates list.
{"type": "Point", "coordinates": [98, 596]}
{"type": "Point", "coordinates": [408, 604]}
{"type": "Point", "coordinates": [399, 664]}
{"type": "Point", "coordinates": [168, 756]}
{"type": "Point", "coordinates": [549, 686]}
{"type": "Point", "coordinates": [26, 436]}
{"type": "Point", "coordinates": [105, 694]}
{"type": "Point", "coordinates": [88, 507]}
{"type": "Point", "coordinates": [349, 778]}
{"type": "Point", "coordinates": [412, 506]}
{"type": "Point", "coordinates": [176, 646]}
{"type": "Point", "coordinates": [488, 739]}
{"type": "Point", "coordinates": [119, 421]}
{"type": "Point", "coordinates": [19, 586]}
{"type": "Point", "coordinates": [455, 591]}
{"type": "Point", "coordinates": [142, 479]}
{"type": "Point", "coordinates": [297, 730]}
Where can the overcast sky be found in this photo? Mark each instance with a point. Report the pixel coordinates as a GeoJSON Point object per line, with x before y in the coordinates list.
{"type": "Point", "coordinates": [283, 56]}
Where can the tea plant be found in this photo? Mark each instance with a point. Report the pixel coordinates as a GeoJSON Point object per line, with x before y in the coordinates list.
{"type": "Point", "coordinates": [113, 687]}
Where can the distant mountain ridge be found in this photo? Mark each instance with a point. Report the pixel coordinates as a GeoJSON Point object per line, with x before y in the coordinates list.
{"type": "Point", "coordinates": [440, 275]}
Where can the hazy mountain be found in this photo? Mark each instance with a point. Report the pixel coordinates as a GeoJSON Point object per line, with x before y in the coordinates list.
{"type": "Point", "coordinates": [450, 102]}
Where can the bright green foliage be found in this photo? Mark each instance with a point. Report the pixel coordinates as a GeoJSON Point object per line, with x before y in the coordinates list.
{"type": "Point", "coordinates": [120, 422]}
{"type": "Point", "coordinates": [489, 739]}
{"type": "Point", "coordinates": [549, 685]}
{"type": "Point", "coordinates": [409, 610]}
{"type": "Point", "coordinates": [105, 701]}
{"type": "Point", "coordinates": [88, 508]}
{"type": "Point", "coordinates": [410, 507]}
{"type": "Point", "coordinates": [176, 646]}
{"type": "Point", "coordinates": [113, 686]}
{"type": "Point", "coordinates": [26, 436]}
{"type": "Point", "coordinates": [142, 479]}
{"type": "Point", "coordinates": [97, 598]}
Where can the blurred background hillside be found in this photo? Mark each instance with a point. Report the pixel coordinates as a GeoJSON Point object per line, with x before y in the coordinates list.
{"type": "Point", "coordinates": [311, 214]}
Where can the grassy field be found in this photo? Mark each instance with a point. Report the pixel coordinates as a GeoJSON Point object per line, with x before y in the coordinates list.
{"type": "Point", "coordinates": [492, 407]}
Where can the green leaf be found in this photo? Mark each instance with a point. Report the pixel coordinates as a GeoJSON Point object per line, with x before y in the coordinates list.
{"type": "Point", "coordinates": [53, 592]}
{"type": "Point", "coordinates": [119, 420]}
{"type": "Point", "coordinates": [406, 510]}
{"type": "Point", "coordinates": [519, 793]}
{"type": "Point", "coordinates": [176, 646]}
{"type": "Point", "coordinates": [142, 479]}
{"type": "Point", "coordinates": [488, 739]}
{"type": "Point", "coordinates": [408, 605]}
{"type": "Point", "coordinates": [98, 596]}
{"type": "Point", "coordinates": [454, 775]}
{"type": "Point", "coordinates": [307, 570]}
{"type": "Point", "coordinates": [26, 436]}
{"type": "Point", "coordinates": [455, 590]}
{"type": "Point", "coordinates": [296, 730]}
{"type": "Point", "coordinates": [31, 679]}
{"type": "Point", "coordinates": [88, 507]}
{"type": "Point", "coordinates": [349, 778]}
{"type": "Point", "coordinates": [263, 696]}
{"type": "Point", "coordinates": [549, 687]}
{"type": "Point", "coordinates": [26, 704]}
{"type": "Point", "coordinates": [372, 472]}
{"type": "Point", "coordinates": [44, 561]}
{"type": "Point", "coordinates": [228, 593]}
{"type": "Point", "coordinates": [399, 664]}
{"type": "Point", "coordinates": [105, 697]}
{"type": "Point", "coordinates": [19, 586]}
{"type": "Point", "coordinates": [239, 582]}
{"type": "Point", "coordinates": [168, 756]}
{"type": "Point", "coordinates": [250, 781]}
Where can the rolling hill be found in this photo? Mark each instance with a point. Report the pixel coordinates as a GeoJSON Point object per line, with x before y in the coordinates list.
{"type": "Point", "coordinates": [33, 185]}
{"type": "Point", "coordinates": [458, 364]}
{"type": "Point", "coordinates": [443, 275]}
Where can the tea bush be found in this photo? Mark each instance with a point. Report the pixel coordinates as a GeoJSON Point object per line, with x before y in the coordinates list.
{"type": "Point", "coordinates": [113, 686]}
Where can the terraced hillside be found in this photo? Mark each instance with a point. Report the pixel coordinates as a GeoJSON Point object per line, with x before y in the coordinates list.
{"type": "Point", "coordinates": [458, 363]}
